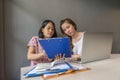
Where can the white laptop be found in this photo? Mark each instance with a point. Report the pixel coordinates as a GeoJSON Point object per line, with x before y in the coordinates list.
{"type": "Point", "coordinates": [96, 46]}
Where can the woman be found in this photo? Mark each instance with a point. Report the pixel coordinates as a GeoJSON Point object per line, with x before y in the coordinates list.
{"type": "Point", "coordinates": [35, 51]}
{"type": "Point", "coordinates": [69, 28]}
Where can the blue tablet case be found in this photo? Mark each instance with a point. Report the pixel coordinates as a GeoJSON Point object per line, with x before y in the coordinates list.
{"type": "Point", "coordinates": [54, 46]}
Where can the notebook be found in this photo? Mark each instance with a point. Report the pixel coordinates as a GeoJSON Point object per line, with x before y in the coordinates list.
{"type": "Point", "coordinates": [96, 46]}
{"type": "Point", "coordinates": [54, 46]}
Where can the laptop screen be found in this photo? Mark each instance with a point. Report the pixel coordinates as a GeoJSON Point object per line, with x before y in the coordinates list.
{"type": "Point", "coordinates": [96, 46]}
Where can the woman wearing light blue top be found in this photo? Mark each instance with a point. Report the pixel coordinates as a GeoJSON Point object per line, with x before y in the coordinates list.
{"type": "Point", "coordinates": [68, 27]}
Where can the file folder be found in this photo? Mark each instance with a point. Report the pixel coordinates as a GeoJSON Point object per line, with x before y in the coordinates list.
{"type": "Point", "coordinates": [54, 46]}
{"type": "Point", "coordinates": [56, 69]}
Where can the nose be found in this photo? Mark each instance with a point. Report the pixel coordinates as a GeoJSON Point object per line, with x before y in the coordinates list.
{"type": "Point", "coordinates": [50, 31]}
{"type": "Point", "coordinates": [67, 30]}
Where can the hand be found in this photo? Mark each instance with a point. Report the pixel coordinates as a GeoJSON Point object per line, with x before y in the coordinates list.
{"type": "Point", "coordinates": [43, 53]}
{"type": "Point", "coordinates": [50, 60]}
{"type": "Point", "coordinates": [60, 57]}
{"type": "Point", "coordinates": [76, 57]}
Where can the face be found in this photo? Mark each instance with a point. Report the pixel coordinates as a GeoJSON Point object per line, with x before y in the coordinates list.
{"type": "Point", "coordinates": [68, 29]}
{"type": "Point", "coordinates": [48, 30]}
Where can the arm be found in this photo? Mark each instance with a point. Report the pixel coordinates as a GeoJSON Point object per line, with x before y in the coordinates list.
{"type": "Point", "coordinates": [75, 57]}
{"type": "Point", "coordinates": [77, 49]}
{"type": "Point", "coordinates": [31, 55]}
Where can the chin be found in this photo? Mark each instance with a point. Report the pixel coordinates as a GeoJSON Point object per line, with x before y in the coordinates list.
{"type": "Point", "coordinates": [49, 36]}
{"type": "Point", "coordinates": [70, 35]}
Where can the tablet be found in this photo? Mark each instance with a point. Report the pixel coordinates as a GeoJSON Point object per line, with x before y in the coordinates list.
{"type": "Point", "coordinates": [54, 46]}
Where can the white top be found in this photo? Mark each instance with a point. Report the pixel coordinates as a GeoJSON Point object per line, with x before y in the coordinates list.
{"type": "Point", "coordinates": [77, 47]}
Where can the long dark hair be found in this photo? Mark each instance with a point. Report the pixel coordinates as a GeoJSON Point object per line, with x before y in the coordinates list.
{"type": "Point", "coordinates": [45, 22]}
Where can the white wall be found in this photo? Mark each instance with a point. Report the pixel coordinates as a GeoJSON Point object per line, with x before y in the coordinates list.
{"type": "Point", "coordinates": [23, 19]}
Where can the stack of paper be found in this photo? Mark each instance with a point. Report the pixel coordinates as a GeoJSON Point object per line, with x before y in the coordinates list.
{"type": "Point", "coordinates": [36, 71]}
{"type": "Point", "coordinates": [59, 68]}
{"type": "Point", "coordinates": [43, 66]}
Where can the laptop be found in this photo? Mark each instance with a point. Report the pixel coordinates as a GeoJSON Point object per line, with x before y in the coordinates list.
{"type": "Point", "coordinates": [96, 46]}
{"type": "Point", "coordinates": [54, 46]}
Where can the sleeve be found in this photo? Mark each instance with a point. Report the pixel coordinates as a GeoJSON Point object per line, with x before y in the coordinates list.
{"type": "Point", "coordinates": [33, 41]}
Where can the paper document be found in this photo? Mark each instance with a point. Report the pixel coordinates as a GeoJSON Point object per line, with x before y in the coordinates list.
{"type": "Point", "coordinates": [59, 68]}
{"type": "Point", "coordinates": [80, 67]}
{"type": "Point", "coordinates": [43, 66]}
{"type": "Point", "coordinates": [38, 71]}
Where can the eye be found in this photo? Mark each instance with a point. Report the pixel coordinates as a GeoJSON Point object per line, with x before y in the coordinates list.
{"type": "Point", "coordinates": [53, 29]}
{"type": "Point", "coordinates": [48, 27]}
{"type": "Point", "coordinates": [64, 30]}
{"type": "Point", "coordinates": [68, 27]}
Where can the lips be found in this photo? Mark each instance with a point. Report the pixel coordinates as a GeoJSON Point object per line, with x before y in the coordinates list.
{"type": "Point", "coordinates": [50, 34]}
{"type": "Point", "coordinates": [69, 33]}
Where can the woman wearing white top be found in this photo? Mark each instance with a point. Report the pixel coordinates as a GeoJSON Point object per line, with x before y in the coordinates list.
{"type": "Point", "coordinates": [68, 27]}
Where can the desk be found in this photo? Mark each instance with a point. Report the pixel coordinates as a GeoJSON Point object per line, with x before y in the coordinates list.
{"type": "Point", "coordinates": [108, 69]}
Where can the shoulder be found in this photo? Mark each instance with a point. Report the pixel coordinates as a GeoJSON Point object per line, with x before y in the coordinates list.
{"type": "Point", "coordinates": [81, 33]}
{"type": "Point", "coordinates": [35, 38]}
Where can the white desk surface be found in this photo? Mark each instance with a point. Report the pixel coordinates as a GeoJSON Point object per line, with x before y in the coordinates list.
{"type": "Point", "coordinates": [108, 69]}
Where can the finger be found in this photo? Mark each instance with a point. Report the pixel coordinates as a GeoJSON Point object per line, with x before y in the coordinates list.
{"type": "Point", "coordinates": [60, 56]}
{"type": "Point", "coordinates": [63, 55]}
{"type": "Point", "coordinates": [44, 52]}
{"type": "Point", "coordinates": [57, 57]}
